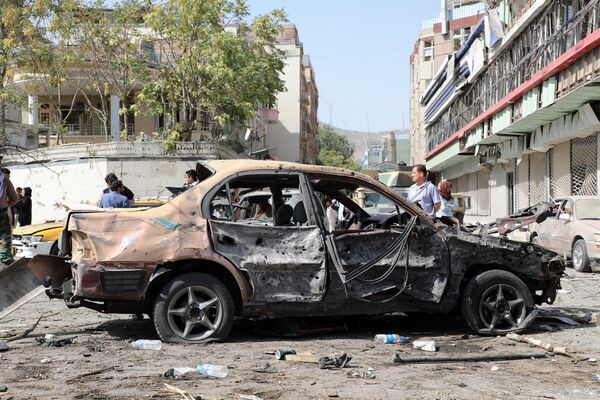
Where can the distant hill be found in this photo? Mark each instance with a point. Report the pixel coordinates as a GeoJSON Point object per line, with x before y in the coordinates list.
{"type": "Point", "coordinates": [360, 139]}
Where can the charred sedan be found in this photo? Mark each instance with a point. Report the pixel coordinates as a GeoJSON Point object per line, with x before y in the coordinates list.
{"type": "Point", "coordinates": [203, 258]}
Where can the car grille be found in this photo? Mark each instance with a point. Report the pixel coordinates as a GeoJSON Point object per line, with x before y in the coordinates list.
{"type": "Point", "coordinates": [118, 282]}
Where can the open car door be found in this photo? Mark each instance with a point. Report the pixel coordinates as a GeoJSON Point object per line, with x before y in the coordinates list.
{"type": "Point", "coordinates": [381, 255]}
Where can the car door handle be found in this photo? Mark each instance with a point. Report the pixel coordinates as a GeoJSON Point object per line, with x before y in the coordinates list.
{"type": "Point", "coordinates": [226, 240]}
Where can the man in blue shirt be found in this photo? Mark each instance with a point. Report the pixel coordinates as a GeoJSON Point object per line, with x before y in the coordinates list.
{"type": "Point", "coordinates": [423, 192]}
{"type": "Point", "coordinates": [114, 198]}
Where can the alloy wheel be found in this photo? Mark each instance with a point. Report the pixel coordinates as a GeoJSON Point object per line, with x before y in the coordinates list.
{"type": "Point", "coordinates": [194, 313]}
{"type": "Point", "coordinates": [502, 307]}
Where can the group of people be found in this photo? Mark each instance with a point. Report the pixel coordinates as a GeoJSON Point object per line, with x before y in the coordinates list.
{"type": "Point", "coordinates": [21, 211]}
{"type": "Point", "coordinates": [116, 194]}
{"type": "Point", "coordinates": [437, 202]}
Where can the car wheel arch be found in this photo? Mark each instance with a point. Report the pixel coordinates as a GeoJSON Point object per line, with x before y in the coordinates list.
{"type": "Point", "coordinates": [575, 239]}
{"type": "Point", "coordinates": [477, 269]}
{"type": "Point", "coordinates": [239, 287]}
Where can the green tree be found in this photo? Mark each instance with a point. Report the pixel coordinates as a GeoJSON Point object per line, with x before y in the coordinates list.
{"type": "Point", "coordinates": [110, 42]}
{"type": "Point", "coordinates": [20, 23]}
{"type": "Point", "coordinates": [334, 149]}
{"type": "Point", "coordinates": [211, 60]}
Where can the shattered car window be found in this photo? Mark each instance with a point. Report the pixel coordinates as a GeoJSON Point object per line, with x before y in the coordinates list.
{"type": "Point", "coordinates": [259, 200]}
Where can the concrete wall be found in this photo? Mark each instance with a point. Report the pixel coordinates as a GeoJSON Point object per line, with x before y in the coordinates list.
{"type": "Point", "coordinates": [82, 181]}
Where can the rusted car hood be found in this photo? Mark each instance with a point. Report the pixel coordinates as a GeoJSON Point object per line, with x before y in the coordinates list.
{"type": "Point", "coordinates": [170, 232]}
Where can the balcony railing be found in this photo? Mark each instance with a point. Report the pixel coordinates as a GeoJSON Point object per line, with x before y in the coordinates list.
{"type": "Point", "coordinates": [549, 35]}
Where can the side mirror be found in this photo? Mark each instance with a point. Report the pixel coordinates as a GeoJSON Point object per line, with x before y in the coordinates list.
{"type": "Point", "coordinates": [564, 217]}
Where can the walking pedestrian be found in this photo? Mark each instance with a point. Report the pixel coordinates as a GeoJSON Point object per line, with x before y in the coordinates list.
{"type": "Point", "coordinates": [115, 197]}
{"type": "Point", "coordinates": [8, 198]}
{"type": "Point", "coordinates": [423, 192]}
{"type": "Point", "coordinates": [25, 208]}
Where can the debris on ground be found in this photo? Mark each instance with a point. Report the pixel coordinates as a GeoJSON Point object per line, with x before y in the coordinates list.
{"type": "Point", "coordinates": [85, 375]}
{"type": "Point", "coordinates": [596, 377]}
{"type": "Point", "coordinates": [52, 341]}
{"type": "Point", "coordinates": [494, 368]}
{"type": "Point", "coordinates": [280, 354]}
{"type": "Point", "coordinates": [337, 361]}
{"type": "Point", "coordinates": [425, 345]}
{"type": "Point", "coordinates": [45, 361]}
{"type": "Point", "coordinates": [250, 397]}
{"type": "Point", "coordinates": [468, 357]}
{"type": "Point", "coordinates": [180, 372]}
{"type": "Point", "coordinates": [539, 343]}
{"type": "Point", "coordinates": [145, 344]}
{"type": "Point", "coordinates": [368, 374]}
{"type": "Point", "coordinates": [301, 357]}
{"type": "Point", "coordinates": [3, 388]}
{"type": "Point", "coordinates": [184, 395]}
{"type": "Point", "coordinates": [267, 369]}
{"type": "Point", "coordinates": [332, 393]}
{"type": "Point", "coordinates": [389, 338]}
{"type": "Point", "coordinates": [3, 346]}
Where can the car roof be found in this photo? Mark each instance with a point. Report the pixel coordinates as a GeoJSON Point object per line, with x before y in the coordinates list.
{"type": "Point", "coordinates": [579, 197]}
{"type": "Point", "coordinates": [227, 167]}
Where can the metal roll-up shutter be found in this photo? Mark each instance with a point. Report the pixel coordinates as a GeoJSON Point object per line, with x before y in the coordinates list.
{"type": "Point", "coordinates": [584, 165]}
{"type": "Point", "coordinates": [560, 170]}
{"type": "Point", "coordinates": [522, 183]}
{"type": "Point", "coordinates": [537, 178]}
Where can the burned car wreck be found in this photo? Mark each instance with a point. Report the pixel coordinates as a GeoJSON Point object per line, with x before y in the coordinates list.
{"type": "Point", "coordinates": [201, 259]}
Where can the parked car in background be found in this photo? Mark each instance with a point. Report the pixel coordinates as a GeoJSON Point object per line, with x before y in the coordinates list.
{"type": "Point", "coordinates": [573, 230]}
{"type": "Point", "coordinates": [193, 271]}
{"type": "Point", "coordinates": [399, 181]}
{"type": "Point", "coordinates": [31, 240]}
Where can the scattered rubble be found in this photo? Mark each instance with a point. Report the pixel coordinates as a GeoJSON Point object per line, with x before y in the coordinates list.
{"type": "Point", "coordinates": [337, 361]}
{"type": "Point", "coordinates": [425, 345]}
{"type": "Point", "coordinates": [539, 343]}
{"type": "Point", "coordinates": [398, 359]}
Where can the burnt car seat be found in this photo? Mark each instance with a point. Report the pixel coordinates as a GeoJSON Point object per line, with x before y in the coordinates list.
{"type": "Point", "coordinates": [299, 217]}
{"type": "Point", "coordinates": [283, 215]}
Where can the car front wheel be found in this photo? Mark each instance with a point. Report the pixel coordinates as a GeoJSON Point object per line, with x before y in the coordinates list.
{"type": "Point", "coordinates": [579, 256]}
{"type": "Point", "coordinates": [496, 302]}
{"type": "Point", "coordinates": [193, 308]}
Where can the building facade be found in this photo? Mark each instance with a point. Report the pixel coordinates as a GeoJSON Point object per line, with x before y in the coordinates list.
{"type": "Point", "coordinates": [287, 133]}
{"type": "Point", "coordinates": [514, 120]}
{"type": "Point", "coordinates": [293, 135]}
{"type": "Point", "coordinates": [438, 38]}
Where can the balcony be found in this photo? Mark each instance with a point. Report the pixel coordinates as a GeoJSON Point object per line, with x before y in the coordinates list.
{"type": "Point", "coordinates": [269, 115]}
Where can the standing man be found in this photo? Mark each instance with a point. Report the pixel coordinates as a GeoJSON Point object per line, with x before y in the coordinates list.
{"type": "Point", "coordinates": [109, 179]}
{"type": "Point", "coordinates": [16, 209]}
{"type": "Point", "coordinates": [25, 208]}
{"type": "Point", "coordinates": [114, 198]}
{"type": "Point", "coordinates": [423, 192]}
{"type": "Point", "coordinates": [8, 198]}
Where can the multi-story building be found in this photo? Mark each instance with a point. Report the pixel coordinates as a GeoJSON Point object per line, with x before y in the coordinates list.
{"type": "Point", "coordinates": [513, 118]}
{"type": "Point", "coordinates": [392, 149]}
{"type": "Point", "coordinates": [88, 115]}
{"type": "Point", "coordinates": [438, 38]}
{"type": "Point", "coordinates": [292, 136]}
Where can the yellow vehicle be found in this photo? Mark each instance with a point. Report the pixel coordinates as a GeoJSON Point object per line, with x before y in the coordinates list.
{"type": "Point", "coordinates": [31, 240]}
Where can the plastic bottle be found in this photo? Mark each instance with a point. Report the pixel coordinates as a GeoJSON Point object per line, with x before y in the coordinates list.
{"type": "Point", "coordinates": [145, 344]}
{"type": "Point", "coordinates": [212, 370]}
{"type": "Point", "coordinates": [389, 338]}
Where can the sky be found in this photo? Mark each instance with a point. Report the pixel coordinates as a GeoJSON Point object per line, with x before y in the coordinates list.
{"type": "Point", "coordinates": [360, 53]}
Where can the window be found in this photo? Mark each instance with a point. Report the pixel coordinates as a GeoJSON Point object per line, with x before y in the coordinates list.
{"type": "Point", "coordinates": [460, 37]}
{"type": "Point", "coordinates": [260, 200]}
{"type": "Point", "coordinates": [428, 50]}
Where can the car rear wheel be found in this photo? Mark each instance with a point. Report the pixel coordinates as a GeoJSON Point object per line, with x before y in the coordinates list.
{"type": "Point", "coordinates": [579, 256]}
{"type": "Point", "coordinates": [496, 302]}
{"type": "Point", "coordinates": [193, 308]}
